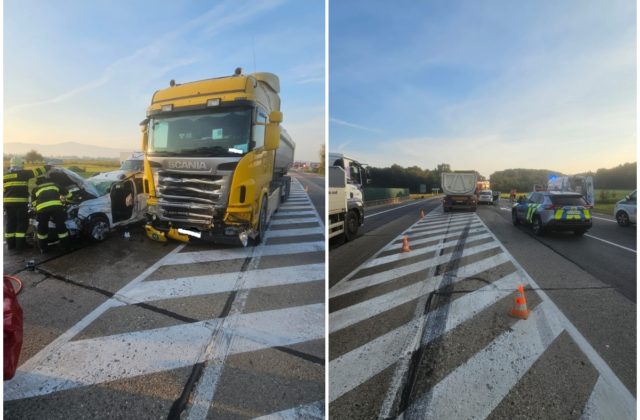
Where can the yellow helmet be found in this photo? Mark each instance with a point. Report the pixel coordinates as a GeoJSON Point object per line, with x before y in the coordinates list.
{"type": "Point", "coordinates": [16, 162]}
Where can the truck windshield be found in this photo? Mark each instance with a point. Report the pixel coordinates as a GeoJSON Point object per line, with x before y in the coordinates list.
{"type": "Point", "coordinates": [224, 132]}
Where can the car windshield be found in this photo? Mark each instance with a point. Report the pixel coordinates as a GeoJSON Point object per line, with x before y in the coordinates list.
{"type": "Point", "coordinates": [568, 200]}
{"type": "Point", "coordinates": [102, 186]}
{"type": "Point", "coordinates": [224, 132]}
{"type": "Point", "coordinates": [131, 165]}
{"type": "Point", "coordinates": [485, 192]}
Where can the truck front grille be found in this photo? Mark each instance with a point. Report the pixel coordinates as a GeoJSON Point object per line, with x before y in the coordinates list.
{"type": "Point", "coordinates": [191, 199]}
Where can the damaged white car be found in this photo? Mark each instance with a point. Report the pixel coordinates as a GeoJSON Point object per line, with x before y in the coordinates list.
{"type": "Point", "coordinates": [101, 203]}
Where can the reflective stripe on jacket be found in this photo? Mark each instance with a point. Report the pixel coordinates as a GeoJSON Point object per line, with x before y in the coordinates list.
{"type": "Point", "coordinates": [16, 184]}
{"type": "Point", "coordinates": [48, 195]}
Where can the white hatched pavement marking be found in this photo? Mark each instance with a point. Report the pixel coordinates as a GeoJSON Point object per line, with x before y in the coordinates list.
{"type": "Point", "coordinates": [238, 253]}
{"type": "Point", "coordinates": [490, 374]}
{"type": "Point", "coordinates": [284, 233]}
{"type": "Point", "coordinates": [443, 229]}
{"type": "Point", "coordinates": [605, 404]}
{"type": "Point", "coordinates": [87, 362]}
{"type": "Point", "coordinates": [314, 411]}
{"type": "Point", "coordinates": [361, 364]}
{"type": "Point", "coordinates": [394, 273]}
{"type": "Point", "coordinates": [399, 256]}
{"type": "Point", "coordinates": [418, 239]}
{"type": "Point", "coordinates": [380, 353]}
{"type": "Point", "coordinates": [369, 308]}
{"type": "Point", "coordinates": [220, 283]}
{"type": "Point", "coordinates": [220, 344]}
{"type": "Point", "coordinates": [293, 220]}
{"type": "Point", "coordinates": [625, 399]}
{"type": "Point", "coordinates": [70, 364]}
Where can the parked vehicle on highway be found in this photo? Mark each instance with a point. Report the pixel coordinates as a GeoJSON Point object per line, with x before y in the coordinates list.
{"type": "Point", "coordinates": [216, 159]}
{"type": "Point", "coordinates": [346, 206]}
{"type": "Point", "coordinates": [625, 210]}
{"type": "Point", "coordinates": [101, 203]}
{"type": "Point", "coordinates": [552, 210]}
{"type": "Point", "coordinates": [485, 196]}
{"type": "Point", "coordinates": [459, 189]}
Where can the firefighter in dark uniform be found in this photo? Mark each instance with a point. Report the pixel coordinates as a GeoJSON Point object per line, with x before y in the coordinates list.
{"type": "Point", "coordinates": [16, 199]}
{"type": "Point", "coordinates": [48, 205]}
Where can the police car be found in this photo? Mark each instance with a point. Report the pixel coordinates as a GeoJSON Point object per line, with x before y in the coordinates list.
{"type": "Point", "coordinates": [553, 210]}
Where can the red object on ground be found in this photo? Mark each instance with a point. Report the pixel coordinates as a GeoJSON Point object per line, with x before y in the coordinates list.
{"type": "Point", "coordinates": [12, 326]}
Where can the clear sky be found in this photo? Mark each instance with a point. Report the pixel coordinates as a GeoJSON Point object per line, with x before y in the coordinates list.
{"type": "Point", "coordinates": [485, 85]}
{"type": "Point", "coordinates": [85, 71]}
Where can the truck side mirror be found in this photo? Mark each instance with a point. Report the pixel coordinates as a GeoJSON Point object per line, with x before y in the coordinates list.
{"type": "Point", "coordinates": [275, 117]}
{"type": "Point", "coordinates": [272, 136]}
{"type": "Point", "coordinates": [144, 127]}
{"type": "Point", "coordinates": [272, 131]}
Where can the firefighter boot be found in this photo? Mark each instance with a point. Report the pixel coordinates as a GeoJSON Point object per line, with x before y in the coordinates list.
{"type": "Point", "coordinates": [21, 244]}
{"type": "Point", "coordinates": [11, 242]}
{"type": "Point", "coordinates": [65, 243]}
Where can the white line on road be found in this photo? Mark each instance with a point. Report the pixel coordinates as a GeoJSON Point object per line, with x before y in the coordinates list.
{"type": "Point", "coordinates": [611, 243]}
{"type": "Point", "coordinates": [395, 208]}
{"type": "Point", "coordinates": [602, 218]}
{"type": "Point", "coordinates": [416, 267]}
{"type": "Point", "coordinates": [313, 411]}
{"type": "Point", "coordinates": [625, 399]}
{"type": "Point", "coordinates": [101, 359]}
{"type": "Point", "coordinates": [511, 354]}
{"type": "Point", "coordinates": [361, 364]}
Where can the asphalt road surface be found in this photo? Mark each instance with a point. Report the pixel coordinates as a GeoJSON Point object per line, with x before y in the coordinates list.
{"type": "Point", "coordinates": [130, 328]}
{"type": "Point", "coordinates": [427, 333]}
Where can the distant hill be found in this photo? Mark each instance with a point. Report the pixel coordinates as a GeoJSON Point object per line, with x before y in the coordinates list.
{"type": "Point", "coordinates": [67, 149]}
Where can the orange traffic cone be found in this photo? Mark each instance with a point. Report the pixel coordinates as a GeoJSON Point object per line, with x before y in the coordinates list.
{"type": "Point", "coordinates": [520, 305]}
{"type": "Point", "coordinates": [422, 214]}
{"type": "Point", "coordinates": [405, 244]}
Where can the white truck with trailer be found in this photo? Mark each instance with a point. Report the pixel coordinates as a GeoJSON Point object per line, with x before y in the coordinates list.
{"type": "Point", "coordinates": [347, 178]}
{"type": "Point", "coordinates": [460, 191]}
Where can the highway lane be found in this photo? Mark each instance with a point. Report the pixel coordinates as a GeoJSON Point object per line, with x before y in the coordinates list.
{"type": "Point", "coordinates": [377, 370]}
{"type": "Point", "coordinates": [131, 328]}
{"type": "Point", "coordinates": [613, 262]}
{"type": "Point", "coordinates": [314, 185]}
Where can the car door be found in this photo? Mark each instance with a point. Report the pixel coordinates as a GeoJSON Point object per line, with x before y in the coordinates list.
{"type": "Point", "coordinates": [523, 207]}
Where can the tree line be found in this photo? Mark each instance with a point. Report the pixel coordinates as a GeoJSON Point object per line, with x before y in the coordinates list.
{"type": "Point", "coordinates": [396, 176]}
{"type": "Point", "coordinates": [412, 177]}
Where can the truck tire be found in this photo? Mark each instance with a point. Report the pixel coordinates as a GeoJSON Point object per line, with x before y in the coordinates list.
{"type": "Point", "coordinates": [351, 225]}
{"type": "Point", "coordinates": [262, 222]}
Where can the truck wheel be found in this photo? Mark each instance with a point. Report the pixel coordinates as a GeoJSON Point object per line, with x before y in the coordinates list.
{"type": "Point", "coordinates": [536, 226]}
{"type": "Point", "coordinates": [97, 228]}
{"type": "Point", "coordinates": [514, 218]}
{"type": "Point", "coordinates": [350, 226]}
{"type": "Point", "coordinates": [262, 222]}
{"type": "Point", "coordinates": [622, 218]}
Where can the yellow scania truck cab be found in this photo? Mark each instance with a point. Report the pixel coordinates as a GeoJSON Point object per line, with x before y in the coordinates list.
{"type": "Point", "coordinates": [216, 159]}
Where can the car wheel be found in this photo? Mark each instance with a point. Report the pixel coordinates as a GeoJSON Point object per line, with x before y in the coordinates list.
{"type": "Point", "coordinates": [98, 228]}
{"type": "Point", "coordinates": [579, 232]}
{"type": "Point", "coordinates": [351, 225]}
{"type": "Point", "coordinates": [262, 222]}
{"type": "Point", "coordinates": [536, 226]}
{"type": "Point", "coordinates": [514, 218]}
{"type": "Point", "coordinates": [623, 218]}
